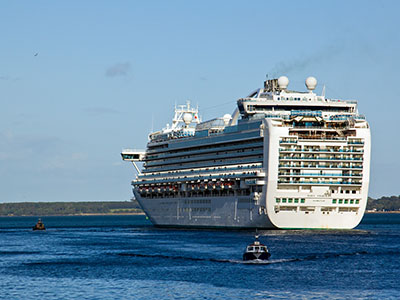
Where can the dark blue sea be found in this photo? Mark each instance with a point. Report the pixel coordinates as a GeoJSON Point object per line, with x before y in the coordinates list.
{"type": "Point", "coordinates": [124, 257]}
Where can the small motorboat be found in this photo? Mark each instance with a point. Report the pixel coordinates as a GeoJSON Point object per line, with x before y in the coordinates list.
{"type": "Point", "coordinates": [256, 251]}
{"type": "Point", "coordinates": [39, 225]}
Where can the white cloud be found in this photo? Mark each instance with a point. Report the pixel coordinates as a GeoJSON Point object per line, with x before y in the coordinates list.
{"type": "Point", "coordinates": [119, 69]}
{"type": "Point", "coordinates": [8, 78]}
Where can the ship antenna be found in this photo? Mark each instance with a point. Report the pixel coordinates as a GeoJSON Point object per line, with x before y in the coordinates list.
{"type": "Point", "coordinates": [323, 91]}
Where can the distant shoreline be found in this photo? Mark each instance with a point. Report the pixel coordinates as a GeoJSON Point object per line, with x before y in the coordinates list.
{"type": "Point", "coordinates": [94, 208]}
{"type": "Point", "coordinates": [383, 212]}
{"type": "Point", "coordinates": [83, 214]}
{"type": "Point", "coordinates": [143, 214]}
{"type": "Point", "coordinates": [112, 214]}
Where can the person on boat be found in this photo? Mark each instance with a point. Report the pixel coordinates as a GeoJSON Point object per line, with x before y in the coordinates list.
{"type": "Point", "coordinates": [39, 225]}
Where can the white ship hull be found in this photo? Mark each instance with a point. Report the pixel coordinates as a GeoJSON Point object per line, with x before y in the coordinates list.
{"type": "Point", "coordinates": [295, 160]}
{"type": "Point", "coordinates": [240, 212]}
{"type": "Point", "coordinates": [221, 212]}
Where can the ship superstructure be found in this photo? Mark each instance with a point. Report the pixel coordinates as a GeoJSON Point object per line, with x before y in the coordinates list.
{"type": "Point", "coordinates": [283, 159]}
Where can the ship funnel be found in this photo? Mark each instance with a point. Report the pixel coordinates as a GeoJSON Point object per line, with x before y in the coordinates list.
{"type": "Point", "coordinates": [273, 85]}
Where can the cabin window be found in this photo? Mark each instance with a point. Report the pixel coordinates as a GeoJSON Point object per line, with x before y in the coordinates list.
{"type": "Point", "coordinates": [334, 201]}
{"type": "Point", "coordinates": [250, 248]}
{"type": "Point", "coordinates": [303, 200]}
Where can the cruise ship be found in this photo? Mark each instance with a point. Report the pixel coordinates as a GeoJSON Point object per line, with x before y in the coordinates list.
{"type": "Point", "coordinates": [284, 159]}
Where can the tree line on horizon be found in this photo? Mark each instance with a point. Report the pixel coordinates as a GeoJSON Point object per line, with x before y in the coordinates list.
{"type": "Point", "coordinates": [68, 208]}
{"type": "Point", "coordinates": [385, 203]}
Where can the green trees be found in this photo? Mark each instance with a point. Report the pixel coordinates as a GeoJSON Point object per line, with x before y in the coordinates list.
{"type": "Point", "coordinates": [67, 208]}
{"type": "Point", "coordinates": [384, 203]}
{"type": "Point", "coordinates": [100, 207]}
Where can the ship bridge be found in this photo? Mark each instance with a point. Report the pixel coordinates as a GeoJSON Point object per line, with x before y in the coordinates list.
{"type": "Point", "coordinates": [134, 156]}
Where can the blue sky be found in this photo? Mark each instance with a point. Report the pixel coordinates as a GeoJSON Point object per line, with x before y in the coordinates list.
{"type": "Point", "coordinates": [80, 80]}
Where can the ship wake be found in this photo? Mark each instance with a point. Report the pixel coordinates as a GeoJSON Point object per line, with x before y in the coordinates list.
{"type": "Point", "coordinates": [311, 257]}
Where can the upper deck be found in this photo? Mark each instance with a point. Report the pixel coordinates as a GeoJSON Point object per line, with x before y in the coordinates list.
{"type": "Point", "coordinates": [273, 101]}
{"type": "Point", "coordinates": [275, 98]}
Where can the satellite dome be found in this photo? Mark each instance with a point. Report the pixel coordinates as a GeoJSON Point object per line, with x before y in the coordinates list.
{"type": "Point", "coordinates": [311, 83]}
{"type": "Point", "coordinates": [187, 118]}
{"type": "Point", "coordinates": [226, 119]}
{"type": "Point", "coordinates": [283, 82]}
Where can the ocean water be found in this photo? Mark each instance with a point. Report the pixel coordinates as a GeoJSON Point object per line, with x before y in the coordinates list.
{"type": "Point", "coordinates": [124, 257]}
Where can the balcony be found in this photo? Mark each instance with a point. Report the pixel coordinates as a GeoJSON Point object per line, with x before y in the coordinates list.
{"type": "Point", "coordinates": [291, 182]}
{"type": "Point", "coordinates": [319, 175]}
{"type": "Point", "coordinates": [319, 137]}
{"type": "Point", "coordinates": [350, 142]}
{"type": "Point", "coordinates": [291, 141]}
{"type": "Point", "coordinates": [320, 151]}
{"type": "Point", "coordinates": [288, 166]}
{"type": "Point", "coordinates": [306, 113]}
{"type": "Point", "coordinates": [317, 158]}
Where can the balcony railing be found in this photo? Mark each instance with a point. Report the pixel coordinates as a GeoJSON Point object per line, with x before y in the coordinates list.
{"type": "Point", "coordinates": [355, 142]}
{"type": "Point", "coordinates": [320, 151]}
{"type": "Point", "coordinates": [320, 167]}
{"type": "Point", "coordinates": [321, 138]}
{"type": "Point", "coordinates": [318, 182]}
{"type": "Point", "coordinates": [319, 158]}
{"type": "Point", "coordinates": [288, 142]}
{"type": "Point", "coordinates": [318, 175]}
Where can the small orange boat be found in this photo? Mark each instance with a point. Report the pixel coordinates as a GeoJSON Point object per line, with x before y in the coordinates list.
{"type": "Point", "coordinates": [39, 225]}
